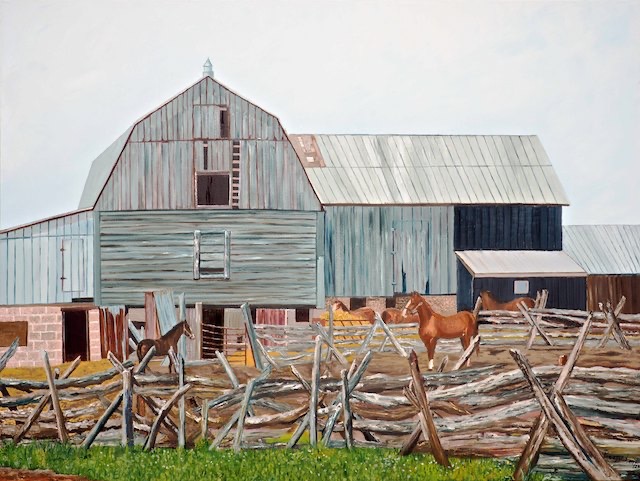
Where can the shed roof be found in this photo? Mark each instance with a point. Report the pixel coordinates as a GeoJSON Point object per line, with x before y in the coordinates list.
{"type": "Point", "coordinates": [429, 169]}
{"type": "Point", "coordinates": [604, 249]}
{"type": "Point", "coordinates": [520, 264]}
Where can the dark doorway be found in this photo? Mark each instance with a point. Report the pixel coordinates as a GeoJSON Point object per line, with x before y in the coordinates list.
{"type": "Point", "coordinates": [75, 327]}
{"type": "Point", "coordinates": [212, 331]}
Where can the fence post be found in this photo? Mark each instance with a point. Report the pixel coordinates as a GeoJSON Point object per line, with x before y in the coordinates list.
{"type": "Point", "coordinates": [127, 408]}
{"type": "Point", "coordinates": [62, 429]}
{"type": "Point", "coordinates": [253, 338]}
{"type": "Point", "coordinates": [313, 400]}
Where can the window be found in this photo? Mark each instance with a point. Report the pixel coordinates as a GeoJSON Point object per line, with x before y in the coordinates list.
{"type": "Point", "coordinates": [211, 255]}
{"type": "Point", "coordinates": [521, 287]}
{"type": "Point", "coordinates": [224, 124]}
{"type": "Point", "coordinates": [212, 188]}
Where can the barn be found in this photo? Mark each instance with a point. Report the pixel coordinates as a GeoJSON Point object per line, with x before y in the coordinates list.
{"type": "Point", "coordinates": [209, 196]}
{"type": "Point", "coordinates": [610, 255]}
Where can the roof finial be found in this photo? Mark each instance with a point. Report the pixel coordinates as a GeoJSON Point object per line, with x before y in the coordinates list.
{"type": "Point", "coordinates": [207, 69]}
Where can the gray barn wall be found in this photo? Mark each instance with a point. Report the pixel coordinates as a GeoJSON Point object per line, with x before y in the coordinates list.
{"type": "Point", "coordinates": [157, 166]}
{"type": "Point", "coordinates": [32, 263]}
{"type": "Point", "coordinates": [273, 256]}
{"type": "Point", "coordinates": [359, 241]}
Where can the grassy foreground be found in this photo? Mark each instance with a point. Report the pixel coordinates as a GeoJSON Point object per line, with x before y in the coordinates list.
{"type": "Point", "coordinates": [119, 464]}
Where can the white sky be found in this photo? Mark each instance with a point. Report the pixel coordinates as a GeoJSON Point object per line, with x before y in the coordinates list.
{"type": "Point", "coordinates": [76, 73]}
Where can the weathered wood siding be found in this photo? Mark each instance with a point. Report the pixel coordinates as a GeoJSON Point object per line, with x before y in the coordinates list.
{"type": "Point", "coordinates": [157, 167]}
{"type": "Point", "coordinates": [36, 270]}
{"type": "Point", "coordinates": [273, 256]}
{"type": "Point", "coordinates": [603, 288]}
{"type": "Point", "coordinates": [564, 292]}
{"type": "Point", "coordinates": [508, 227]}
{"type": "Point", "coordinates": [380, 251]}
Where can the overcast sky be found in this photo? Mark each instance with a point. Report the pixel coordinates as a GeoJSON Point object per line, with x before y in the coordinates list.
{"type": "Point", "coordinates": [75, 74]}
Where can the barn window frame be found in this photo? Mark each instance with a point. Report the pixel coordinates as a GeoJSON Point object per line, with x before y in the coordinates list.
{"type": "Point", "coordinates": [212, 173]}
{"type": "Point", "coordinates": [212, 255]}
{"type": "Point", "coordinates": [521, 286]}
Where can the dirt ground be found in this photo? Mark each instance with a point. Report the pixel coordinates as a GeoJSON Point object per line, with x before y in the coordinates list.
{"type": "Point", "coordinates": [7, 474]}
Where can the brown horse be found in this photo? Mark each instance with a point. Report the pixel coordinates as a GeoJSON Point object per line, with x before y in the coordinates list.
{"type": "Point", "coordinates": [162, 345]}
{"type": "Point", "coordinates": [490, 303]}
{"type": "Point", "coordinates": [391, 315]}
{"type": "Point", "coordinates": [365, 313]}
{"type": "Point", "coordinates": [434, 326]}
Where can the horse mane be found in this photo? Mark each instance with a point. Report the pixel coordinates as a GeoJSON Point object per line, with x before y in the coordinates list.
{"type": "Point", "coordinates": [175, 328]}
{"type": "Point", "coordinates": [341, 305]}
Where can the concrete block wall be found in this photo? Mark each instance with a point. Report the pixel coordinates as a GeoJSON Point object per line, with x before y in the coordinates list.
{"type": "Point", "coordinates": [44, 334]}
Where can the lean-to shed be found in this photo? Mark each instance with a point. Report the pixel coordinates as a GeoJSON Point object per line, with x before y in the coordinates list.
{"type": "Point", "coordinates": [511, 274]}
{"type": "Point", "coordinates": [610, 254]}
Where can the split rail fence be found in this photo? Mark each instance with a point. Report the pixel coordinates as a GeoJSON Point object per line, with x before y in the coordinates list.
{"type": "Point", "coordinates": [315, 380]}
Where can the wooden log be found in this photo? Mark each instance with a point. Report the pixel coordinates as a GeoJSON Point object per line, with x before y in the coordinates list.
{"type": "Point", "coordinates": [331, 348]}
{"type": "Point", "coordinates": [614, 327]}
{"type": "Point", "coordinates": [530, 454]}
{"type": "Point", "coordinates": [8, 354]}
{"type": "Point", "coordinates": [55, 401]}
{"type": "Point", "coordinates": [534, 323]}
{"type": "Point", "coordinates": [286, 417]}
{"type": "Point", "coordinates": [127, 408]}
{"type": "Point", "coordinates": [466, 355]}
{"type": "Point", "coordinates": [297, 434]}
{"type": "Point", "coordinates": [564, 428]}
{"type": "Point", "coordinates": [431, 432]}
{"type": "Point", "coordinates": [237, 442]}
{"type": "Point", "coordinates": [178, 362]}
{"type": "Point", "coordinates": [151, 439]}
{"type": "Point", "coordinates": [368, 337]}
{"type": "Point", "coordinates": [476, 307]}
{"type": "Point", "coordinates": [346, 410]}
{"type": "Point", "coordinates": [215, 444]}
{"type": "Point", "coordinates": [19, 436]}
{"type": "Point", "coordinates": [398, 347]}
{"type": "Point", "coordinates": [313, 399]}
{"type": "Point", "coordinates": [251, 334]}
{"type": "Point", "coordinates": [205, 420]}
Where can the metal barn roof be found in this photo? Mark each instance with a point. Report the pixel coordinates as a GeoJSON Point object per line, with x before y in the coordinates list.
{"type": "Point", "coordinates": [429, 169]}
{"type": "Point", "coordinates": [101, 169]}
{"type": "Point", "coordinates": [520, 264]}
{"type": "Point", "coordinates": [604, 249]}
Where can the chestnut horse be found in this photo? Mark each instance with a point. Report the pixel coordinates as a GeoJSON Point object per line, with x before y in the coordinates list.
{"type": "Point", "coordinates": [434, 326]}
{"type": "Point", "coordinates": [490, 303]}
{"type": "Point", "coordinates": [364, 313]}
{"type": "Point", "coordinates": [170, 339]}
{"type": "Point", "coordinates": [392, 315]}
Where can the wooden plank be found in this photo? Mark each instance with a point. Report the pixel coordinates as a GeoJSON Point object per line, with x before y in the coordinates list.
{"type": "Point", "coordinates": [346, 410]}
{"type": "Point", "coordinates": [151, 438]}
{"type": "Point", "coordinates": [253, 338]}
{"type": "Point", "coordinates": [55, 401]}
{"type": "Point", "coordinates": [534, 323]}
{"type": "Point", "coordinates": [313, 399]}
{"type": "Point", "coordinates": [8, 354]}
{"type": "Point", "coordinates": [237, 442]}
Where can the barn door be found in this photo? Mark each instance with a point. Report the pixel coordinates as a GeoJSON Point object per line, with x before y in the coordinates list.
{"type": "Point", "coordinates": [410, 254]}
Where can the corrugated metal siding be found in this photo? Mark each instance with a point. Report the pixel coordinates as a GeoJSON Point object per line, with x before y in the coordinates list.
{"type": "Point", "coordinates": [156, 168]}
{"type": "Point", "coordinates": [434, 169]}
{"type": "Point", "coordinates": [32, 263]}
{"type": "Point", "coordinates": [612, 288]}
{"type": "Point", "coordinates": [604, 249]}
{"type": "Point", "coordinates": [273, 256]}
{"type": "Point", "coordinates": [520, 263]}
{"type": "Point", "coordinates": [359, 241]}
{"type": "Point", "coordinates": [508, 227]}
{"type": "Point", "coordinates": [564, 292]}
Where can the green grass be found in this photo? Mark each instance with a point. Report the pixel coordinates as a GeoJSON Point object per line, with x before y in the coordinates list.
{"type": "Point", "coordinates": [200, 464]}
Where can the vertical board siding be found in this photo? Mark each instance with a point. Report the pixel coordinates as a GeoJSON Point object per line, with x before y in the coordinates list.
{"type": "Point", "coordinates": [156, 168]}
{"type": "Point", "coordinates": [273, 256]}
{"type": "Point", "coordinates": [32, 263]}
{"type": "Point", "coordinates": [358, 250]}
{"type": "Point", "coordinates": [508, 227]}
{"type": "Point", "coordinates": [603, 288]}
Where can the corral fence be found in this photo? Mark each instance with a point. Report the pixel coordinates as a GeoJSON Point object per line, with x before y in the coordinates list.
{"type": "Point", "coordinates": [315, 379]}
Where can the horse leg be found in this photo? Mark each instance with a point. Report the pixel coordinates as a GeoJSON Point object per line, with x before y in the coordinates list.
{"type": "Point", "coordinates": [431, 351]}
{"type": "Point", "coordinates": [466, 340]}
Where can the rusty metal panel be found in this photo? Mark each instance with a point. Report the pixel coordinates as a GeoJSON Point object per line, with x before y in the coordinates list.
{"type": "Point", "coordinates": [603, 288]}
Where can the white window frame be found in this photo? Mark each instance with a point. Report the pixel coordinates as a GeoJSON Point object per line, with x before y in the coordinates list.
{"type": "Point", "coordinates": [202, 272]}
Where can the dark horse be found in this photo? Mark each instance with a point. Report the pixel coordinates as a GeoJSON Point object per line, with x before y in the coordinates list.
{"type": "Point", "coordinates": [162, 345]}
{"type": "Point", "coordinates": [434, 326]}
{"type": "Point", "coordinates": [490, 303]}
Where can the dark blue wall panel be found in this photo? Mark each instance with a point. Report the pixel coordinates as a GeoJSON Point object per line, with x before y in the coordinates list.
{"type": "Point", "coordinates": [508, 227]}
